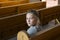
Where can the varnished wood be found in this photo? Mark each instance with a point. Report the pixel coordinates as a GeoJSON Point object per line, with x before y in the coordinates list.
{"type": "Point", "coordinates": [15, 9]}
{"type": "Point", "coordinates": [49, 14]}
{"type": "Point", "coordinates": [9, 26]}
{"type": "Point", "coordinates": [32, 5]}
{"type": "Point", "coordinates": [7, 11]}
{"type": "Point", "coordinates": [10, 3]}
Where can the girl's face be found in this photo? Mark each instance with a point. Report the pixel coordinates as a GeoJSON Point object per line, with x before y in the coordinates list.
{"type": "Point", "coordinates": [31, 19]}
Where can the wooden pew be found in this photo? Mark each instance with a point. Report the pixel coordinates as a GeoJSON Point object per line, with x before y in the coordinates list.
{"type": "Point", "coordinates": [24, 1]}
{"type": "Point", "coordinates": [7, 11]}
{"type": "Point", "coordinates": [32, 5]}
{"type": "Point", "coordinates": [14, 0]}
{"type": "Point", "coordinates": [51, 33]}
{"type": "Point", "coordinates": [3, 0]}
{"type": "Point", "coordinates": [10, 3]}
{"type": "Point", "coordinates": [15, 9]}
{"type": "Point", "coordinates": [11, 21]}
{"type": "Point", "coordinates": [10, 25]}
{"type": "Point", "coordinates": [48, 14]}
{"type": "Point", "coordinates": [58, 38]}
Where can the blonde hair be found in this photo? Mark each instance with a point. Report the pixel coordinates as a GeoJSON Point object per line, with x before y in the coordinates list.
{"type": "Point", "coordinates": [34, 12]}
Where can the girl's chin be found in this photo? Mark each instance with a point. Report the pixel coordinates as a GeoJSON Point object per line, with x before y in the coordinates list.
{"type": "Point", "coordinates": [29, 25]}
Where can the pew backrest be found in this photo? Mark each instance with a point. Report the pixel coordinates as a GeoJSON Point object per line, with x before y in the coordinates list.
{"type": "Point", "coordinates": [48, 14]}
{"type": "Point", "coordinates": [7, 11]}
{"type": "Point", "coordinates": [31, 5]}
{"type": "Point", "coordinates": [12, 24]}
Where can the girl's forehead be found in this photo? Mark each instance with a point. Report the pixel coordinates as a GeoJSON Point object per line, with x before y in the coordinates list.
{"type": "Point", "coordinates": [31, 14]}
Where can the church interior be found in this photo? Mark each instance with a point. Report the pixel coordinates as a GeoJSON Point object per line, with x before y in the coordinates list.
{"type": "Point", "coordinates": [13, 24]}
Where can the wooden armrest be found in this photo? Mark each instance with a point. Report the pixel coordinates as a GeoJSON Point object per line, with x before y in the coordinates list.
{"type": "Point", "coordinates": [22, 35]}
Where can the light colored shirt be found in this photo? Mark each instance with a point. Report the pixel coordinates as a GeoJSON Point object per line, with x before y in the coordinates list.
{"type": "Point", "coordinates": [33, 30]}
